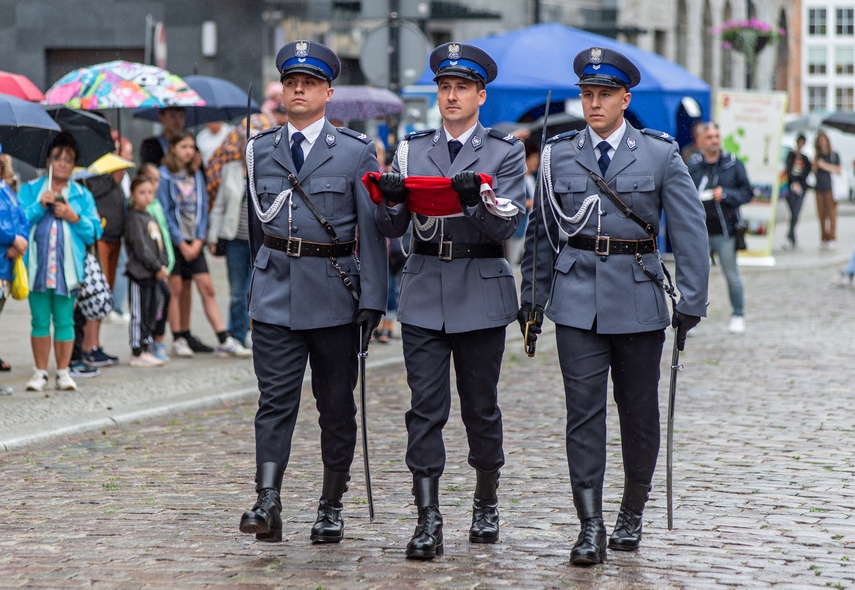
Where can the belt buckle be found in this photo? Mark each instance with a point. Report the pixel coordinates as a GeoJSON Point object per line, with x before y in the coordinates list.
{"type": "Point", "coordinates": [295, 253]}
{"type": "Point", "coordinates": [597, 250]}
{"type": "Point", "coordinates": [444, 250]}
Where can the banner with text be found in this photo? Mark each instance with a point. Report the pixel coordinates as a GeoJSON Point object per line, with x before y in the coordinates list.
{"type": "Point", "coordinates": [751, 125]}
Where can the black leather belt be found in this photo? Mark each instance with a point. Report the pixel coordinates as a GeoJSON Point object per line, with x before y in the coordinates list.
{"type": "Point", "coordinates": [450, 250]}
{"type": "Point", "coordinates": [604, 245]}
{"type": "Point", "coordinates": [296, 247]}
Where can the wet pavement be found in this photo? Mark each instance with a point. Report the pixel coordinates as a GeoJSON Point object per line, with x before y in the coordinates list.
{"type": "Point", "coordinates": [764, 470]}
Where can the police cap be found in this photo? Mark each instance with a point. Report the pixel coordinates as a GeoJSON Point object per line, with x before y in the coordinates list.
{"type": "Point", "coordinates": [605, 67]}
{"type": "Point", "coordinates": [308, 57]}
{"type": "Point", "coordinates": [463, 60]}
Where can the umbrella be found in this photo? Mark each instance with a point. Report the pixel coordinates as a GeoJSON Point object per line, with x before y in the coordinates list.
{"type": "Point", "coordinates": [224, 101]}
{"type": "Point", "coordinates": [109, 163]}
{"type": "Point", "coordinates": [91, 132]}
{"type": "Point", "coordinates": [19, 86]}
{"type": "Point", "coordinates": [230, 150]}
{"type": "Point", "coordinates": [25, 128]}
{"type": "Point", "coordinates": [844, 120]}
{"type": "Point", "coordinates": [361, 103]}
{"type": "Point", "coordinates": [121, 85]}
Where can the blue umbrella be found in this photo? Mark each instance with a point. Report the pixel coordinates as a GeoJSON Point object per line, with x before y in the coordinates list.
{"type": "Point", "coordinates": [25, 129]}
{"type": "Point", "coordinates": [224, 101]}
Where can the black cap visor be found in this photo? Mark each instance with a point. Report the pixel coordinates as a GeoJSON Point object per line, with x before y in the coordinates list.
{"type": "Point", "coordinates": [602, 80]}
{"type": "Point", "coordinates": [460, 72]}
{"type": "Point", "coordinates": [306, 69]}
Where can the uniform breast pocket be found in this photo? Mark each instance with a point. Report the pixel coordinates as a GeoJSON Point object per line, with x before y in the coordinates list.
{"type": "Point", "coordinates": [572, 190]}
{"type": "Point", "coordinates": [328, 194]}
{"type": "Point", "coordinates": [268, 188]}
{"type": "Point", "coordinates": [638, 192]}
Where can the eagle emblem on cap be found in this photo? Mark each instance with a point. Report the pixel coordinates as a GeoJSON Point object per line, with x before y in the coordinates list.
{"type": "Point", "coordinates": [453, 51]}
{"type": "Point", "coordinates": [301, 49]}
{"type": "Point", "coordinates": [596, 56]}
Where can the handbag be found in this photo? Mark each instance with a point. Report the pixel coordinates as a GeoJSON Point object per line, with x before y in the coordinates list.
{"type": "Point", "coordinates": [839, 186]}
{"type": "Point", "coordinates": [94, 299]}
{"type": "Point", "coordinates": [20, 282]}
{"type": "Point", "coordinates": [740, 228]}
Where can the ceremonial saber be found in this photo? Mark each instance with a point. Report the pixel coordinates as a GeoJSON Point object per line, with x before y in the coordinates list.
{"type": "Point", "coordinates": [676, 367]}
{"type": "Point", "coordinates": [531, 345]}
{"type": "Point", "coordinates": [363, 355]}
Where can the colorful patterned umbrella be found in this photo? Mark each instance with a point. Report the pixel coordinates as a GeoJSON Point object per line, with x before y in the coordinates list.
{"type": "Point", "coordinates": [121, 85]}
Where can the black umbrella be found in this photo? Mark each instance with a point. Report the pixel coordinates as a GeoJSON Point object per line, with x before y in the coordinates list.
{"type": "Point", "coordinates": [91, 132]}
{"type": "Point", "coordinates": [224, 101]}
{"type": "Point", "coordinates": [25, 129]}
{"type": "Point", "coordinates": [844, 120]}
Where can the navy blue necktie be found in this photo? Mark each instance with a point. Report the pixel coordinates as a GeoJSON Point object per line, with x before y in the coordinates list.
{"type": "Point", "coordinates": [454, 147]}
{"type": "Point", "coordinates": [297, 150]}
{"type": "Point", "coordinates": [604, 159]}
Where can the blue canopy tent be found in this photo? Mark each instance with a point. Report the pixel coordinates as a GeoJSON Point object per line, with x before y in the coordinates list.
{"type": "Point", "coordinates": [539, 58]}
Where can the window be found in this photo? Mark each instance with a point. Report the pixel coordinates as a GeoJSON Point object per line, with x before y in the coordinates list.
{"type": "Point", "coordinates": [816, 98]}
{"type": "Point", "coordinates": [844, 60]}
{"type": "Point", "coordinates": [844, 99]}
{"type": "Point", "coordinates": [845, 25]}
{"type": "Point", "coordinates": [816, 21]}
{"type": "Point", "coordinates": [816, 60]}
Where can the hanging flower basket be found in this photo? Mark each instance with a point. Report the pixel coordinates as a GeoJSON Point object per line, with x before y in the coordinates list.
{"type": "Point", "coordinates": [748, 37]}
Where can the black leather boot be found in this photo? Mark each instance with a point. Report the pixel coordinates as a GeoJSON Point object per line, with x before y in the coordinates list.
{"type": "Point", "coordinates": [329, 527]}
{"type": "Point", "coordinates": [590, 547]}
{"type": "Point", "coordinates": [627, 533]}
{"type": "Point", "coordinates": [427, 540]}
{"type": "Point", "coordinates": [485, 509]}
{"type": "Point", "coordinates": [264, 518]}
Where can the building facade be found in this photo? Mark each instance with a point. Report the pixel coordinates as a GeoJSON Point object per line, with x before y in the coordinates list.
{"type": "Point", "coordinates": [828, 69]}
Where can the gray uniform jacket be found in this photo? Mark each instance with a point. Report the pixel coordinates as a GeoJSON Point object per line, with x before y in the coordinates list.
{"type": "Point", "coordinates": [462, 294]}
{"type": "Point", "coordinates": [649, 176]}
{"type": "Point", "coordinates": [304, 293]}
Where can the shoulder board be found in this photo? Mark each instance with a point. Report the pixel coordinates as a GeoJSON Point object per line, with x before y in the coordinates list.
{"type": "Point", "coordinates": [356, 134]}
{"type": "Point", "coordinates": [265, 132]}
{"type": "Point", "coordinates": [562, 136]}
{"type": "Point", "coordinates": [421, 133]}
{"type": "Point", "coordinates": [511, 139]}
{"type": "Point", "coordinates": [658, 135]}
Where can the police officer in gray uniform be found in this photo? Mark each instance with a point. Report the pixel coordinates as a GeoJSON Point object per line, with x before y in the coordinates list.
{"type": "Point", "coordinates": [604, 289]}
{"type": "Point", "coordinates": [309, 294]}
{"type": "Point", "coordinates": [457, 291]}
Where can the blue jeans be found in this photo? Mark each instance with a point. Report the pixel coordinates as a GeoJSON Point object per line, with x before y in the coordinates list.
{"type": "Point", "coordinates": [120, 285]}
{"type": "Point", "coordinates": [724, 249]}
{"type": "Point", "coordinates": [239, 269]}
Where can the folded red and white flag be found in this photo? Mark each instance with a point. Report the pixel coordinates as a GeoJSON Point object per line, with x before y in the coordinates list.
{"type": "Point", "coordinates": [434, 197]}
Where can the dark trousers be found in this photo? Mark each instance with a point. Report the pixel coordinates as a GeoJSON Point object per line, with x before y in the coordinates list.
{"type": "Point", "coordinates": [477, 361]}
{"type": "Point", "coordinates": [143, 308]}
{"type": "Point", "coordinates": [585, 358]}
{"type": "Point", "coordinates": [163, 297]}
{"type": "Point", "coordinates": [279, 356]}
{"type": "Point", "coordinates": [794, 201]}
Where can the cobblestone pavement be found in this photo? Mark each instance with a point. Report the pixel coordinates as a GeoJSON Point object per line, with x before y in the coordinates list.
{"type": "Point", "coordinates": [764, 479]}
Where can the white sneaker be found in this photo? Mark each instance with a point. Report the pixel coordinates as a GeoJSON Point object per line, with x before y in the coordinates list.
{"type": "Point", "coordinates": [145, 360]}
{"type": "Point", "coordinates": [38, 381]}
{"type": "Point", "coordinates": [247, 343]}
{"type": "Point", "coordinates": [181, 348]}
{"type": "Point", "coordinates": [737, 324]}
{"type": "Point", "coordinates": [114, 317]}
{"type": "Point", "coordinates": [64, 382]}
{"type": "Point", "coordinates": [232, 347]}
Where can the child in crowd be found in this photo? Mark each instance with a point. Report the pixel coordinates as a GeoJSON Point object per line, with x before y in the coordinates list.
{"type": "Point", "coordinates": [150, 172]}
{"type": "Point", "coordinates": [147, 262]}
{"type": "Point", "coordinates": [184, 198]}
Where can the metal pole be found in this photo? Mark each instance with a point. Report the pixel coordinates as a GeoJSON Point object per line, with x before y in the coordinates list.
{"type": "Point", "coordinates": [149, 23]}
{"type": "Point", "coordinates": [394, 64]}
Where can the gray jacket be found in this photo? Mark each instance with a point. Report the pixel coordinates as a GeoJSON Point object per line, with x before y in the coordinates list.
{"type": "Point", "coordinates": [578, 286]}
{"type": "Point", "coordinates": [306, 292]}
{"type": "Point", "coordinates": [462, 294]}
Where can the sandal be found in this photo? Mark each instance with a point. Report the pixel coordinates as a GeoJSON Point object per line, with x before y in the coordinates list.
{"type": "Point", "coordinates": [4, 366]}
